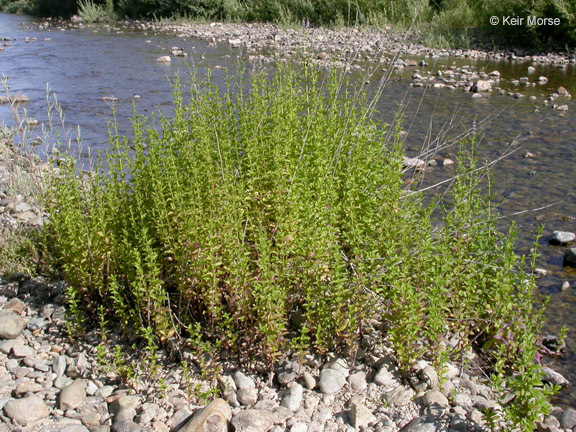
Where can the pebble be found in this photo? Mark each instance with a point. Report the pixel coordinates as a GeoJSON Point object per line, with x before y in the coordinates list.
{"type": "Point", "coordinates": [562, 238]}
{"type": "Point", "coordinates": [331, 381]}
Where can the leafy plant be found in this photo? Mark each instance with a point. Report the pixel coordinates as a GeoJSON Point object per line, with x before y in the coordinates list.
{"type": "Point", "coordinates": [271, 213]}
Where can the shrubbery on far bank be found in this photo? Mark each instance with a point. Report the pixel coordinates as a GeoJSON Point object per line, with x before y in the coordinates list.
{"type": "Point", "coordinates": [448, 23]}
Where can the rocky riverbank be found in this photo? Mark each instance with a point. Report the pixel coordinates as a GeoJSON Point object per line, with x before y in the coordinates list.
{"type": "Point", "coordinates": [50, 382]}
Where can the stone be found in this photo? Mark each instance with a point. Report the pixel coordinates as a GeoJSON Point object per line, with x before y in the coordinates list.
{"type": "Point", "coordinates": [339, 365]}
{"type": "Point", "coordinates": [289, 371]}
{"type": "Point", "coordinates": [253, 420]}
{"type": "Point", "coordinates": [91, 419]}
{"type": "Point", "coordinates": [243, 381]}
{"type": "Point", "coordinates": [413, 162]}
{"type": "Point", "coordinates": [331, 381]}
{"type": "Point", "coordinates": [400, 396]}
{"type": "Point", "coordinates": [554, 377]}
{"type": "Point", "coordinates": [481, 86]}
{"type": "Point", "coordinates": [26, 411]}
{"type": "Point", "coordinates": [358, 382]}
{"type": "Point", "coordinates": [72, 396]}
{"type": "Point", "coordinates": [568, 418]}
{"type": "Point", "coordinates": [124, 402]}
{"type": "Point", "coordinates": [104, 391]}
{"type": "Point", "coordinates": [11, 325]}
{"type": "Point", "coordinates": [124, 415]}
{"type": "Point", "coordinates": [15, 305]}
{"type": "Point", "coordinates": [164, 59]}
{"type": "Point", "coordinates": [309, 381]}
{"type": "Point", "coordinates": [247, 396]}
{"type": "Point", "coordinates": [299, 427]}
{"type": "Point", "coordinates": [422, 424]}
{"type": "Point", "coordinates": [293, 398]}
{"type": "Point", "coordinates": [27, 386]}
{"type": "Point", "coordinates": [212, 418]}
{"type": "Point", "coordinates": [226, 383]}
{"type": "Point", "coordinates": [360, 416]}
{"type": "Point", "coordinates": [435, 397]}
{"type": "Point", "coordinates": [385, 378]}
{"type": "Point", "coordinates": [21, 351]}
{"type": "Point", "coordinates": [429, 376]}
{"type": "Point", "coordinates": [562, 237]}
{"type": "Point", "coordinates": [126, 426]}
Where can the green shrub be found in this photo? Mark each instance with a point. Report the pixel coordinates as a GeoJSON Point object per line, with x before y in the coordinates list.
{"type": "Point", "coordinates": [91, 12]}
{"type": "Point", "coordinates": [271, 214]}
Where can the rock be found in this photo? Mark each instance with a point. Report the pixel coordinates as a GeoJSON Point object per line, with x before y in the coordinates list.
{"type": "Point", "coordinates": [11, 325]}
{"type": "Point", "coordinates": [360, 416]}
{"type": "Point", "coordinates": [247, 396]}
{"type": "Point", "coordinates": [385, 378]}
{"type": "Point", "coordinates": [531, 69]}
{"type": "Point", "coordinates": [569, 258]}
{"type": "Point", "coordinates": [253, 420]}
{"type": "Point", "coordinates": [27, 386]}
{"type": "Point", "coordinates": [413, 162]}
{"type": "Point", "coordinates": [562, 238]}
{"type": "Point", "coordinates": [435, 397]}
{"type": "Point", "coordinates": [293, 398]}
{"type": "Point", "coordinates": [243, 382]}
{"type": "Point", "coordinates": [562, 92]}
{"type": "Point", "coordinates": [565, 285]}
{"type": "Point", "coordinates": [213, 418]}
{"type": "Point", "coordinates": [124, 402]}
{"type": "Point", "coordinates": [422, 424]}
{"type": "Point", "coordinates": [331, 381]}
{"type": "Point", "coordinates": [126, 426]}
{"type": "Point", "coordinates": [91, 419]}
{"type": "Point", "coordinates": [400, 396]}
{"type": "Point", "coordinates": [164, 59]}
{"type": "Point", "coordinates": [429, 376]}
{"type": "Point", "coordinates": [542, 80]}
{"type": "Point", "coordinates": [14, 99]}
{"type": "Point", "coordinates": [561, 107]}
{"type": "Point", "coordinates": [15, 305]}
{"type": "Point", "coordinates": [73, 395]}
{"type": "Point", "coordinates": [339, 365]}
{"type": "Point", "coordinates": [554, 377]}
{"type": "Point", "coordinates": [21, 351]}
{"type": "Point", "coordinates": [26, 411]}
{"type": "Point", "coordinates": [358, 382]}
{"type": "Point", "coordinates": [125, 415]}
{"type": "Point", "coordinates": [568, 418]}
{"type": "Point", "coordinates": [299, 427]}
{"type": "Point", "coordinates": [481, 86]}
{"type": "Point", "coordinates": [289, 371]}
{"type": "Point", "coordinates": [549, 424]}
{"type": "Point", "coordinates": [309, 381]}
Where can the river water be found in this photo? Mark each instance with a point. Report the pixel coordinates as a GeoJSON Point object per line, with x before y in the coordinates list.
{"type": "Point", "coordinates": [83, 66]}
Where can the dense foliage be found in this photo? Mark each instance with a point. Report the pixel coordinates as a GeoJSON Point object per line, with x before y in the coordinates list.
{"type": "Point", "coordinates": [445, 22]}
{"type": "Point", "coordinates": [272, 215]}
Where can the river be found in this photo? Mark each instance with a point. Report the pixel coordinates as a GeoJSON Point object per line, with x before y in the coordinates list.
{"type": "Point", "coordinates": [83, 66]}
